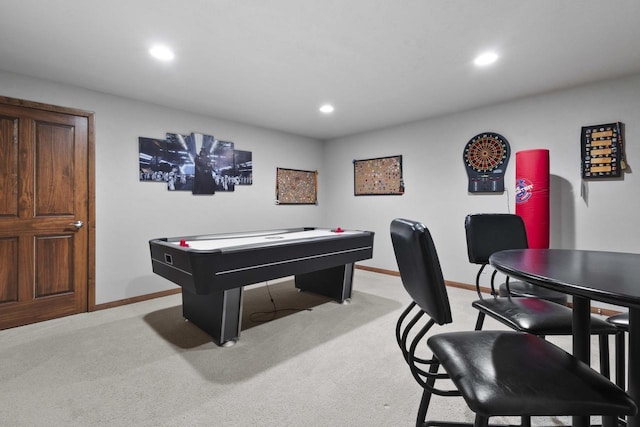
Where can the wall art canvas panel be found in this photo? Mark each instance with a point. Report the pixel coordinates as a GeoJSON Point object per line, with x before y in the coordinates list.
{"type": "Point", "coordinates": [204, 181]}
{"type": "Point", "coordinates": [194, 162]}
{"type": "Point", "coordinates": [224, 165]}
{"type": "Point", "coordinates": [180, 152]}
{"type": "Point", "coordinates": [153, 166]}
{"type": "Point", "coordinates": [244, 167]}
{"type": "Point", "coordinates": [379, 176]}
{"type": "Point", "coordinates": [296, 187]}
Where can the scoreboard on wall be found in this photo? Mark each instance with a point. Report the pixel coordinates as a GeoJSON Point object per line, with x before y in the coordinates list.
{"type": "Point", "coordinates": [602, 151]}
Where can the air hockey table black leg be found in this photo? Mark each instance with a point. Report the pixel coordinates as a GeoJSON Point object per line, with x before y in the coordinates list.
{"type": "Point", "coordinates": [219, 314]}
{"type": "Point", "coordinates": [333, 282]}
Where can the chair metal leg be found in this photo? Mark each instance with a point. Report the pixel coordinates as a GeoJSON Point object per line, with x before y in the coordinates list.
{"type": "Point", "coordinates": [480, 321]}
{"type": "Point", "coordinates": [426, 395]}
{"type": "Point", "coordinates": [605, 368]}
{"type": "Point", "coordinates": [481, 421]}
{"type": "Point", "coordinates": [422, 410]}
{"type": "Point", "coordinates": [610, 421]}
{"type": "Point", "coordinates": [620, 360]}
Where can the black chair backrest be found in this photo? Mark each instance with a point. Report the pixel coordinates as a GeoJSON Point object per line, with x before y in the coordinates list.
{"type": "Point", "coordinates": [490, 233]}
{"type": "Point", "coordinates": [420, 268]}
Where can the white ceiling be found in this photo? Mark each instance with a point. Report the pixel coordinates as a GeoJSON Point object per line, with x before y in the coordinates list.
{"type": "Point", "coordinates": [272, 63]}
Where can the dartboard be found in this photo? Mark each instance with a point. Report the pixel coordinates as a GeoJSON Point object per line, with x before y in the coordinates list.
{"type": "Point", "coordinates": [486, 152]}
{"type": "Point", "coordinates": [486, 157]}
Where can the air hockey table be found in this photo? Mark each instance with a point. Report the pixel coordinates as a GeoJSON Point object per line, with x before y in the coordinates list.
{"type": "Point", "coordinates": [213, 269]}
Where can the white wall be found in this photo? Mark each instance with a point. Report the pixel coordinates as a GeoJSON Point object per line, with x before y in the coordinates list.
{"type": "Point", "coordinates": [130, 212]}
{"type": "Point", "coordinates": [592, 215]}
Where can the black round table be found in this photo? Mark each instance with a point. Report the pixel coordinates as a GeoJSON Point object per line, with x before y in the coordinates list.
{"type": "Point", "coordinates": [612, 277]}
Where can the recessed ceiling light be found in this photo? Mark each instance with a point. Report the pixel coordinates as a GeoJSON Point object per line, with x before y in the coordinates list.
{"type": "Point", "coordinates": [163, 53]}
{"type": "Point", "coordinates": [485, 59]}
{"type": "Point", "coordinates": [326, 109]}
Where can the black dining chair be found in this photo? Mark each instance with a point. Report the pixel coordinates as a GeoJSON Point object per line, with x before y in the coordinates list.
{"type": "Point", "coordinates": [493, 232]}
{"type": "Point", "coordinates": [497, 373]}
{"type": "Point", "coordinates": [621, 322]}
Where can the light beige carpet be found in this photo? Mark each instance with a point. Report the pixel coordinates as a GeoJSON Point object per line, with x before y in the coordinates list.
{"type": "Point", "coordinates": [323, 364]}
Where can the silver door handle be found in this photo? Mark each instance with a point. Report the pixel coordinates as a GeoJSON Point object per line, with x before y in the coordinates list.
{"type": "Point", "coordinates": [78, 224]}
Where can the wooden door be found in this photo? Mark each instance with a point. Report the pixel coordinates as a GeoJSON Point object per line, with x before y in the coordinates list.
{"type": "Point", "coordinates": [45, 211]}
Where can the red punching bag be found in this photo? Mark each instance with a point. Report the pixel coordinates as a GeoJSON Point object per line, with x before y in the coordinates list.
{"type": "Point", "coordinates": [532, 195]}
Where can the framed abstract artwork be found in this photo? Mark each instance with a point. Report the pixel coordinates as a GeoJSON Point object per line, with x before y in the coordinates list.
{"type": "Point", "coordinates": [379, 176]}
{"type": "Point", "coordinates": [296, 187]}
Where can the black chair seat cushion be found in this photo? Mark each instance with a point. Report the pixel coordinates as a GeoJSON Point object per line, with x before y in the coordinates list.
{"type": "Point", "coordinates": [620, 321]}
{"type": "Point", "coordinates": [536, 316]}
{"type": "Point", "coordinates": [514, 373]}
{"type": "Point", "coordinates": [524, 289]}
